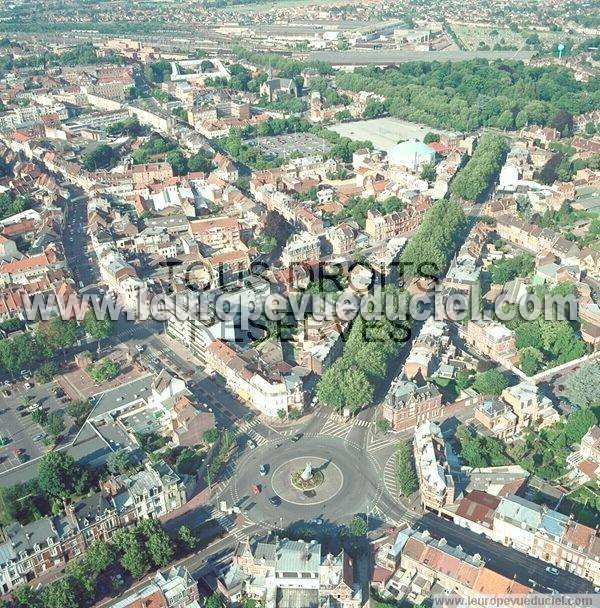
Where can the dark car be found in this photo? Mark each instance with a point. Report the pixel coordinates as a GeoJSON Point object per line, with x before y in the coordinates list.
{"type": "Point", "coordinates": [297, 437]}
{"type": "Point", "coordinates": [275, 501]}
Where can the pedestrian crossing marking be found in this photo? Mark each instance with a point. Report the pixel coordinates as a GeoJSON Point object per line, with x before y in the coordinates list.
{"type": "Point", "coordinates": [334, 428]}
{"type": "Point", "coordinates": [247, 428]}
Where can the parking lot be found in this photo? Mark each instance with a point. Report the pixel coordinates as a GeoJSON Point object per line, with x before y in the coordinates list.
{"type": "Point", "coordinates": [18, 429]}
{"type": "Point", "coordinates": [278, 146]}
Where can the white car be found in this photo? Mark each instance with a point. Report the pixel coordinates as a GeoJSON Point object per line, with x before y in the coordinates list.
{"type": "Point", "coordinates": [552, 570]}
{"type": "Point", "coordinates": [139, 348]}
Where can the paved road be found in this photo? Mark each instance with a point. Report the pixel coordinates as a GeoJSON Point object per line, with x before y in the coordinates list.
{"type": "Point", "coordinates": [505, 560]}
{"type": "Point", "coordinates": [75, 240]}
{"type": "Point", "coordinates": [357, 488]}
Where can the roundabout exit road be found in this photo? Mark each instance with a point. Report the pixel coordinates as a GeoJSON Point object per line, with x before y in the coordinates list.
{"type": "Point", "coordinates": [352, 482]}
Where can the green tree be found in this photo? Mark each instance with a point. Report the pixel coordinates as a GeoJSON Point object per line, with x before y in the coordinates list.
{"type": "Point", "coordinates": [55, 424]}
{"type": "Point", "coordinates": [99, 556]}
{"type": "Point", "coordinates": [159, 545]}
{"type": "Point", "coordinates": [59, 475]}
{"type": "Point", "coordinates": [39, 416]}
{"type": "Point", "coordinates": [134, 555]}
{"type": "Point", "coordinates": [214, 601]}
{"type": "Point", "coordinates": [201, 162]}
{"type": "Point", "coordinates": [428, 172]}
{"type": "Point", "coordinates": [60, 594]}
{"type": "Point", "coordinates": [107, 369]}
{"type": "Point", "coordinates": [430, 137]}
{"type": "Point", "coordinates": [79, 411]}
{"type": "Point", "coordinates": [59, 333]}
{"type": "Point", "coordinates": [187, 538]}
{"type": "Point", "coordinates": [528, 335]}
{"type": "Point", "coordinates": [482, 169]}
{"type": "Point", "coordinates": [25, 597]}
{"type": "Point", "coordinates": [177, 161]}
{"type": "Point", "coordinates": [46, 372]}
{"type": "Point", "coordinates": [583, 386]}
{"type": "Point", "coordinates": [491, 382]}
{"type": "Point", "coordinates": [103, 157]}
{"type": "Point", "coordinates": [530, 360]}
{"type": "Point", "coordinates": [383, 425]}
{"type": "Point", "coordinates": [578, 424]}
{"type": "Point", "coordinates": [210, 435]}
{"type": "Point", "coordinates": [358, 527]}
{"type": "Point", "coordinates": [98, 328]}
{"type": "Point", "coordinates": [405, 469]}
{"type": "Point", "coordinates": [118, 462]}
{"type": "Point", "coordinates": [81, 579]}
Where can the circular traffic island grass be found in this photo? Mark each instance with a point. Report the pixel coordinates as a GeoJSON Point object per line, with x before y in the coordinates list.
{"type": "Point", "coordinates": [310, 484]}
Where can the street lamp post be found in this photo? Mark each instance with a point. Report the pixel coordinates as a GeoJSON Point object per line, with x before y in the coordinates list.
{"type": "Point", "coordinates": [209, 479]}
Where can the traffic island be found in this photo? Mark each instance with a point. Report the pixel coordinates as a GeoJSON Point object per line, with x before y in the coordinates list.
{"type": "Point", "coordinates": [302, 483]}
{"type": "Point", "coordinates": [308, 478]}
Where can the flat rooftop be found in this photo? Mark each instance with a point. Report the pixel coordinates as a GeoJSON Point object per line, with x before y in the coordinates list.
{"type": "Point", "coordinates": [391, 57]}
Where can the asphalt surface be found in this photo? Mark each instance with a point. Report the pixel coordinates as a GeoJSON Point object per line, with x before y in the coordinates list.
{"type": "Point", "coordinates": [359, 492]}
{"type": "Point", "coordinates": [506, 561]}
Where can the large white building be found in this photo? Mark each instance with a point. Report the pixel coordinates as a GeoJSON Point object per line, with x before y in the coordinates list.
{"type": "Point", "coordinates": [412, 154]}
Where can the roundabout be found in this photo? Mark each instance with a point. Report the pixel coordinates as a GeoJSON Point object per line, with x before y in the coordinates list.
{"type": "Point", "coordinates": [327, 482]}
{"type": "Point", "coordinates": [340, 480]}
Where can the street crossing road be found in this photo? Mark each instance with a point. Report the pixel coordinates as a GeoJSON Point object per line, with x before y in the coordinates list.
{"type": "Point", "coordinates": [247, 428]}
{"type": "Point", "coordinates": [337, 426]}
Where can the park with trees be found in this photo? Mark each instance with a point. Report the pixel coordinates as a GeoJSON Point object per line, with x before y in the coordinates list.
{"type": "Point", "coordinates": [466, 95]}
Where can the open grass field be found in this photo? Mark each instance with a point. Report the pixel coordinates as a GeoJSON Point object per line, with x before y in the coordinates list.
{"type": "Point", "coordinates": [474, 36]}
{"type": "Point", "coordinates": [383, 132]}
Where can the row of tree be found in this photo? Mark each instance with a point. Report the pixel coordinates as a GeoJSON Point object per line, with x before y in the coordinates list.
{"type": "Point", "coordinates": [29, 350]}
{"type": "Point", "coordinates": [433, 246]}
{"type": "Point", "coordinates": [475, 179]}
{"type": "Point", "coordinates": [350, 382]}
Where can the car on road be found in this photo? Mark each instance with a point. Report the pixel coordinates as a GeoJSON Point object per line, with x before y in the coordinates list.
{"type": "Point", "coordinates": [275, 501]}
{"type": "Point", "coordinates": [317, 521]}
{"type": "Point", "coordinates": [25, 373]}
{"type": "Point", "coordinates": [139, 348]}
{"type": "Point", "coordinates": [7, 383]}
{"type": "Point", "coordinates": [251, 443]}
{"type": "Point", "coordinates": [264, 469]}
{"type": "Point", "coordinates": [6, 392]}
{"type": "Point", "coordinates": [155, 360]}
{"type": "Point", "coordinates": [552, 570]}
{"type": "Point", "coordinates": [40, 437]}
{"type": "Point", "coordinates": [297, 437]}
{"type": "Point", "coordinates": [28, 385]}
{"type": "Point", "coordinates": [256, 489]}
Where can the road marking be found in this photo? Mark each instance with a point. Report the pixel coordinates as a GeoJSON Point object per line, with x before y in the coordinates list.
{"type": "Point", "coordinates": [333, 428]}
{"type": "Point", "coordinates": [378, 443]}
{"type": "Point", "coordinates": [246, 428]}
{"type": "Point", "coordinates": [389, 477]}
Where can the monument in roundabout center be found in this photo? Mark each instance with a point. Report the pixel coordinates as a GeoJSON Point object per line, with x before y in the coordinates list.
{"type": "Point", "coordinates": [308, 479]}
